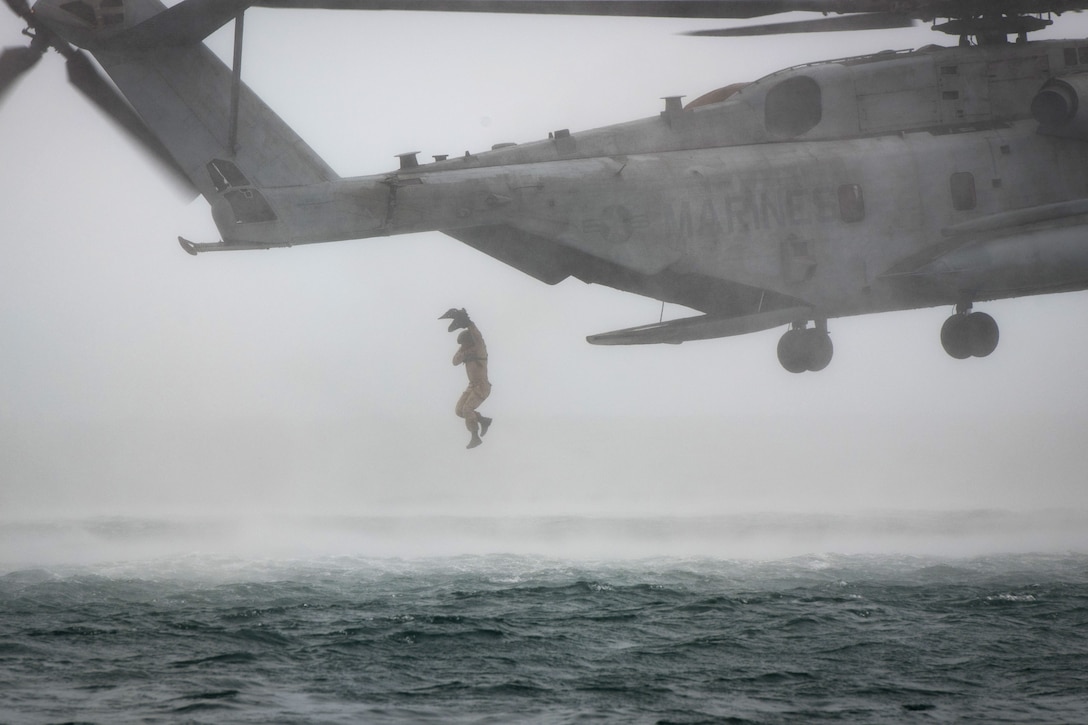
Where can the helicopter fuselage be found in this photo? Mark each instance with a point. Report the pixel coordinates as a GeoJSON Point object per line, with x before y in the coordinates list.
{"type": "Point", "coordinates": [846, 187]}
{"type": "Point", "coordinates": [890, 181]}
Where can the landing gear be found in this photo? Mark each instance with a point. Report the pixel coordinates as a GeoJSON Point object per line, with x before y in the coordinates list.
{"type": "Point", "coordinates": [969, 334]}
{"type": "Point", "coordinates": [804, 349]}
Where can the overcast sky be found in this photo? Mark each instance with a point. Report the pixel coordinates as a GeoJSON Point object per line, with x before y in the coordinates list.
{"type": "Point", "coordinates": [135, 378]}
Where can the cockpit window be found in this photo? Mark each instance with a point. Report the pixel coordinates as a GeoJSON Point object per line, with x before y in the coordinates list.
{"type": "Point", "coordinates": [793, 107]}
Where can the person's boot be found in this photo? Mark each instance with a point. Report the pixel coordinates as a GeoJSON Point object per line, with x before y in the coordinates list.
{"type": "Point", "coordinates": [474, 442]}
{"type": "Point", "coordinates": [485, 423]}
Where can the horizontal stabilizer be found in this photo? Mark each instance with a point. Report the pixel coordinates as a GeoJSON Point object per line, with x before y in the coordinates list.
{"type": "Point", "coordinates": [704, 327]}
{"type": "Point", "coordinates": [195, 248]}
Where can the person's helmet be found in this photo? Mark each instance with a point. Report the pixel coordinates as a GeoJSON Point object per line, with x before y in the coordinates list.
{"type": "Point", "coordinates": [464, 338]}
{"type": "Point", "coordinates": [458, 317]}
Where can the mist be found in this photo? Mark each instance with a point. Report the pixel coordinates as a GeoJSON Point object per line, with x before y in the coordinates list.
{"type": "Point", "coordinates": [257, 395]}
{"type": "Point", "coordinates": [208, 543]}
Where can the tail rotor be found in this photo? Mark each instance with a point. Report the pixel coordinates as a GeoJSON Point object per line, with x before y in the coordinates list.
{"type": "Point", "coordinates": [85, 77]}
{"type": "Point", "coordinates": [14, 62]}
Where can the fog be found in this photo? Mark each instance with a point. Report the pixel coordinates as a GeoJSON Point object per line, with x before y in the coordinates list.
{"type": "Point", "coordinates": [138, 381]}
{"type": "Point", "coordinates": [229, 542]}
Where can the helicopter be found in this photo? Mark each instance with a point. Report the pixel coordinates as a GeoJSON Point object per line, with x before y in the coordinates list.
{"type": "Point", "coordinates": [897, 180]}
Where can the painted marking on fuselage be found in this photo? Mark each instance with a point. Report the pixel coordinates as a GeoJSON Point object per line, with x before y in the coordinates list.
{"type": "Point", "coordinates": [616, 224]}
{"type": "Point", "coordinates": [753, 209]}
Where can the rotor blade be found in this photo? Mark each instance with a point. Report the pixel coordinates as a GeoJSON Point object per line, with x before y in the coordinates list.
{"type": "Point", "coordinates": [640, 8]}
{"type": "Point", "coordinates": [917, 9]}
{"type": "Point", "coordinates": [14, 62]}
{"type": "Point", "coordinates": [84, 76]}
{"type": "Point", "coordinates": [22, 9]}
{"type": "Point", "coordinates": [863, 21]}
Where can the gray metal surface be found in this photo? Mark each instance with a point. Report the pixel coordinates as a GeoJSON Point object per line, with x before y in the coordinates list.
{"type": "Point", "coordinates": [891, 181]}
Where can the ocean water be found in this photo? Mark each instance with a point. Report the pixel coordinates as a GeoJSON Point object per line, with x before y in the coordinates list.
{"type": "Point", "coordinates": [320, 620]}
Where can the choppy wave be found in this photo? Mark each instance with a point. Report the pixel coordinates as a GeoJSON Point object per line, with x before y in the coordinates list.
{"type": "Point", "coordinates": [748, 618]}
{"type": "Point", "coordinates": [210, 638]}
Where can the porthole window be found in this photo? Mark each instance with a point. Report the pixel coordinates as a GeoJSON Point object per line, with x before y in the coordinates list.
{"type": "Point", "coordinates": [851, 203]}
{"type": "Point", "coordinates": [793, 107]}
{"type": "Point", "coordinates": [963, 191]}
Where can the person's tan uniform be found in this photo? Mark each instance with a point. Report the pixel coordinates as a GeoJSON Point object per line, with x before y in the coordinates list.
{"type": "Point", "coordinates": [472, 353]}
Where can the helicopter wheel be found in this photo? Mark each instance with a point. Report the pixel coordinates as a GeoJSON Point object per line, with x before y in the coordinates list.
{"type": "Point", "coordinates": [974, 334]}
{"type": "Point", "coordinates": [801, 350]}
{"type": "Point", "coordinates": [792, 352]}
{"type": "Point", "coordinates": [820, 350]}
{"type": "Point", "coordinates": [954, 337]}
{"type": "Point", "coordinates": [983, 332]}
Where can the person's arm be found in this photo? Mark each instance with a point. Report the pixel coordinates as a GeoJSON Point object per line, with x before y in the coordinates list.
{"type": "Point", "coordinates": [477, 338]}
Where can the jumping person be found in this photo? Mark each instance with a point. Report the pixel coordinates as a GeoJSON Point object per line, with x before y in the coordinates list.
{"type": "Point", "coordinates": [472, 353]}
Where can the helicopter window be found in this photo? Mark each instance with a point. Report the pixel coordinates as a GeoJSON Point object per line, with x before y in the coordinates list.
{"type": "Point", "coordinates": [1082, 54]}
{"type": "Point", "coordinates": [1070, 55]}
{"type": "Point", "coordinates": [793, 107]}
{"type": "Point", "coordinates": [81, 10]}
{"type": "Point", "coordinates": [963, 191]}
{"type": "Point", "coordinates": [949, 70]}
{"type": "Point", "coordinates": [851, 203]}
